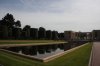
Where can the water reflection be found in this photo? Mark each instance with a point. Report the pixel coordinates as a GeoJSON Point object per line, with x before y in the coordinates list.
{"type": "Point", "coordinates": [46, 54]}
{"type": "Point", "coordinates": [43, 51]}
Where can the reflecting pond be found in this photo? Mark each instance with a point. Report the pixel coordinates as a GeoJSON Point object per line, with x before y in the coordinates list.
{"type": "Point", "coordinates": [42, 51]}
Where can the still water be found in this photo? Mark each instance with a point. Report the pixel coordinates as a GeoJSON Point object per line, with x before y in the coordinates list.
{"type": "Point", "coordinates": [38, 51]}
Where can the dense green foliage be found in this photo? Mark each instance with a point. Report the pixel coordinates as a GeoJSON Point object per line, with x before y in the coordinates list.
{"type": "Point", "coordinates": [10, 29]}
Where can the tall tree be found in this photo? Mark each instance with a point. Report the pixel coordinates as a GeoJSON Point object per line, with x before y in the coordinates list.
{"type": "Point", "coordinates": [17, 24]}
{"type": "Point", "coordinates": [48, 34]}
{"type": "Point", "coordinates": [8, 20]}
{"type": "Point", "coordinates": [26, 32]}
{"type": "Point", "coordinates": [8, 24]}
{"type": "Point", "coordinates": [34, 33]}
{"type": "Point", "coordinates": [42, 33]}
{"type": "Point", "coordinates": [26, 27]}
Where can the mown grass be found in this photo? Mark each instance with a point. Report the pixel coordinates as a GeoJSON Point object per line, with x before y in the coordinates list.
{"type": "Point", "coordinates": [27, 41]}
{"type": "Point", "coordinates": [79, 57]}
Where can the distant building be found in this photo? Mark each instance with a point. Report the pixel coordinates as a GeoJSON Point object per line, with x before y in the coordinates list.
{"type": "Point", "coordinates": [71, 35]}
{"type": "Point", "coordinates": [96, 35]}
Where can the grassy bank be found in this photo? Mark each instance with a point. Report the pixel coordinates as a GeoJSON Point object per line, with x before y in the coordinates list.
{"type": "Point", "coordinates": [27, 41]}
{"type": "Point", "coordinates": [79, 57]}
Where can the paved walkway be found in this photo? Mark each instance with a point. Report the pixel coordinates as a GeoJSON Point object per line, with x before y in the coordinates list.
{"type": "Point", "coordinates": [95, 61]}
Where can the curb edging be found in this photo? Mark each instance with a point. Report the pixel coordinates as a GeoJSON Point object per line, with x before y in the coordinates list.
{"type": "Point", "coordinates": [91, 55]}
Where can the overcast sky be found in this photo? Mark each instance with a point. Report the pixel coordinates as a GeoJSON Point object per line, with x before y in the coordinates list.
{"type": "Point", "coordinates": [60, 15]}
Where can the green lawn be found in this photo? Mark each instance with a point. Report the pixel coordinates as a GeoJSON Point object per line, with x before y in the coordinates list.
{"type": "Point", "coordinates": [79, 57]}
{"type": "Point", "coordinates": [28, 41]}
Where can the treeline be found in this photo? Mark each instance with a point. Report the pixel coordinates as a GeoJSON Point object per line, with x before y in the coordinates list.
{"type": "Point", "coordinates": [11, 29]}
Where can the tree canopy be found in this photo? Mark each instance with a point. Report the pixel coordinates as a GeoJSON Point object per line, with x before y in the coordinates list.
{"type": "Point", "coordinates": [9, 21]}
